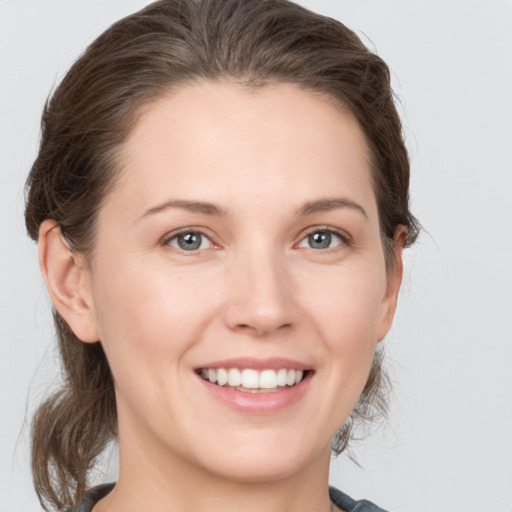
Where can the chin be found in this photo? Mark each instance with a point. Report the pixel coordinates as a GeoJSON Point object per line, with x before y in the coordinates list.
{"type": "Point", "coordinates": [262, 462]}
{"type": "Point", "coordinates": [258, 471]}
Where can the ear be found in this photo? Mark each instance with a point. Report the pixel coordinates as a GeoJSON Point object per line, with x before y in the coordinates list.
{"type": "Point", "coordinates": [68, 281]}
{"type": "Point", "coordinates": [394, 280]}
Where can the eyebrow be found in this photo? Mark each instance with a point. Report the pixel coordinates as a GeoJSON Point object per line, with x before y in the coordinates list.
{"type": "Point", "coordinates": [191, 206]}
{"type": "Point", "coordinates": [323, 205]}
{"type": "Point", "coordinates": [206, 208]}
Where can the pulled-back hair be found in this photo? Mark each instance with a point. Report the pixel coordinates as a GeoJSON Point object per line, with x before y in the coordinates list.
{"type": "Point", "coordinates": [165, 46]}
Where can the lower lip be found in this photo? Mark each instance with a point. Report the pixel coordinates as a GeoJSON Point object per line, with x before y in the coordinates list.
{"type": "Point", "coordinates": [261, 402]}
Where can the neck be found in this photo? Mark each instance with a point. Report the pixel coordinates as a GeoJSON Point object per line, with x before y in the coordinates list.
{"type": "Point", "coordinates": [148, 482]}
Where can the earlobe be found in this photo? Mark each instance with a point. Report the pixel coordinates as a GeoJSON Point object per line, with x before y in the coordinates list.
{"type": "Point", "coordinates": [68, 282]}
{"type": "Point", "coordinates": [394, 280]}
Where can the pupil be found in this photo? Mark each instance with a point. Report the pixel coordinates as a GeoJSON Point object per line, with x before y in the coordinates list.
{"type": "Point", "coordinates": [320, 240]}
{"type": "Point", "coordinates": [189, 241]}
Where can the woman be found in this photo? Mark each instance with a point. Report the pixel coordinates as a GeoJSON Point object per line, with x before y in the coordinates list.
{"type": "Point", "coordinates": [221, 202]}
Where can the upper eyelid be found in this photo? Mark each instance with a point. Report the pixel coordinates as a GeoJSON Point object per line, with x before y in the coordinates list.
{"type": "Point", "coordinates": [164, 240]}
{"type": "Point", "coordinates": [329, 229]}
{"type": "Point", "coordinates": [344, 237]}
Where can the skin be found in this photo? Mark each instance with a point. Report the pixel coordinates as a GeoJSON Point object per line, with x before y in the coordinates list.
{"type": "Point", "coordinates": [256, 288]}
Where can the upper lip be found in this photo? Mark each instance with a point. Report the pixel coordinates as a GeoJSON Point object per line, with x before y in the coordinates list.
{"type": "Point", "coordinates": [274, 363]}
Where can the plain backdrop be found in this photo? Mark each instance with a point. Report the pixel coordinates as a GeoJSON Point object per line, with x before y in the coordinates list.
{"type": "Point", "coordinates": [448, 442]}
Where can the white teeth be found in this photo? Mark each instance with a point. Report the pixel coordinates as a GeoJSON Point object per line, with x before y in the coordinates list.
{"type": "Point", "coordinates": [222, 377]}
{"type": "Point", "coordinates": [252, 379]}
{"type": "Point", "coordinates": [234, 377]}
{"type": "Point", "coordinates": [268, 379]}
{"type": "Point", "coordinates": [281, 377]}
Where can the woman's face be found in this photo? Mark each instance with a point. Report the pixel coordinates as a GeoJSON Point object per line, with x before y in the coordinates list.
{"type": "Point", "coordinates": [241, 244]}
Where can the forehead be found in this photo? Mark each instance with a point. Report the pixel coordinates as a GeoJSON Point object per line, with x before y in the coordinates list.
{"type": "Point", "coordinates": [276, 139]}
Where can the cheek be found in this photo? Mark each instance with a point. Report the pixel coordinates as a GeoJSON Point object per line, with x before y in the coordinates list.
{"type": "Point", "coordinates": [346, 310]}
{"type": "Point", "coordinates": [343, 310]}
{"type": "Point", "coordinates": [144, 315]}
{"type": "Point", "coordinates": [346, 305]}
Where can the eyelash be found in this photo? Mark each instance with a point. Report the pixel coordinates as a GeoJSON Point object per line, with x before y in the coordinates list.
{"type": "Point", "coordinates": [345, 239]}
{"type": "Point", "coordinates": [166, 241]}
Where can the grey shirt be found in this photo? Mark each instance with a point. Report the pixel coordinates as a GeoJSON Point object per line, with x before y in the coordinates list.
{"type": "Point", "coordinates": [340, 499]}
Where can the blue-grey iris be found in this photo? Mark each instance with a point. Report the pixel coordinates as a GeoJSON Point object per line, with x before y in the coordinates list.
{"type": "Point", "coordinates": [190, 241]}
{"type": "Point", "coordinates": [320, 240]}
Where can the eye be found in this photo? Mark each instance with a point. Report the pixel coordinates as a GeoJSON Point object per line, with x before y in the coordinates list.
{"type": "Point", "coordinates": [323, 239]}
{"type": "Point", "coordinates": [189, 241]}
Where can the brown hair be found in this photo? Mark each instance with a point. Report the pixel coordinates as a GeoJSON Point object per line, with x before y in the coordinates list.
{"type": "Point", "coordinates": [164, 46]}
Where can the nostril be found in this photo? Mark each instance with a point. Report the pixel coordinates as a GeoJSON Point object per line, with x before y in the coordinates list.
{"type": "Point", "coordinates": [261, 328]}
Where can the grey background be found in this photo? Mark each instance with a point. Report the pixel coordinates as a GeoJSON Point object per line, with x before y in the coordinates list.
{"type": "Point", "coordinates": [448, 442]}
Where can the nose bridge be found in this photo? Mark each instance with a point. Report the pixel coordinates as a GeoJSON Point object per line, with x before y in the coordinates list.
{"type": "Point", "coordinates": [261, 290]}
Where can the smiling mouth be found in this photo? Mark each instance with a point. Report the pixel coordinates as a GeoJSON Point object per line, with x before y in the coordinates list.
{"type": "Point", "coordinates": [250, 380]}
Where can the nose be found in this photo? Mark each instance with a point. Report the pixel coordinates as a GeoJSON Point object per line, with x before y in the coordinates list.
{"type": "Point", "coordinates": [260, 297]}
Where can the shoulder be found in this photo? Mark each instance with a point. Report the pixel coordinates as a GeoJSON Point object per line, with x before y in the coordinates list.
{"type": "Point", "coordinates": [347, 504]}
{"type": "Point", "coordinates": [92, 497]}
